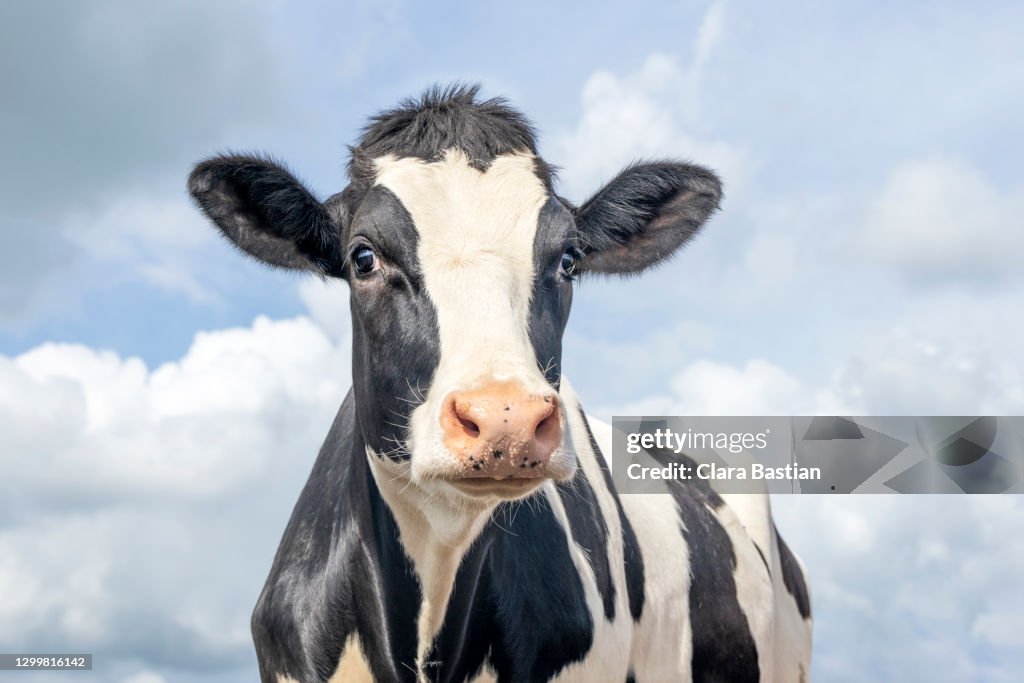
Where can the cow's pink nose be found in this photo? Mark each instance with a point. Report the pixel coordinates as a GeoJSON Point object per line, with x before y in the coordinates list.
{"type": "Point", "coordinates": [500, 430]}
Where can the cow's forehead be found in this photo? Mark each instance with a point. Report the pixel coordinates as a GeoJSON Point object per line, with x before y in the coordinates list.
{"type": "Point", "coordinates": [459, 208]}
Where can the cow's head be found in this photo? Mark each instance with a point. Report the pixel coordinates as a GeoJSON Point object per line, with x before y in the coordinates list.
{"type": "Point", "coordinates": [460, 259]}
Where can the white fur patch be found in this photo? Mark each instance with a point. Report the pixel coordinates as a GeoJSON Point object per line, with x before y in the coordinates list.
{"type": "Point", "coordinates": [486, 675]}
{"type": "Point", "coordinates": [353, 666]}
{"type": "Point", "coordinates": [663, 645]}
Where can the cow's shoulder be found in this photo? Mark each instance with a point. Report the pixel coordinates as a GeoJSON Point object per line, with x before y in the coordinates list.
{"type": "Point", "coordinates": [340, 581]}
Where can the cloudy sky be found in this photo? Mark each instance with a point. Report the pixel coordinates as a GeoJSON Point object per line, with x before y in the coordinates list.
{"type": "Point", "coordinates": [162, 399]}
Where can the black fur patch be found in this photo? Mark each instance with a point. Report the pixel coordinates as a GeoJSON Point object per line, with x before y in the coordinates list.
{"type": "Point", "coordinates": [793, 577]}
{"type": "Point", "coordinates": [518, 597]}
{"type": "Point", "coordinates": [590, 531]}
{"type": "Point", "coordinates": [395, 337]}
{"type": "Point", "coordinates": [552, 292]}
{"type": "Point", "coordinates": [544, 623]}
{"type": "Point", "coordinates": [644, 215]}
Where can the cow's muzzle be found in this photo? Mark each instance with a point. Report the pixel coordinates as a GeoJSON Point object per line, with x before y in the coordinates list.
{"type": "Point", "coordinates": [500, 431]}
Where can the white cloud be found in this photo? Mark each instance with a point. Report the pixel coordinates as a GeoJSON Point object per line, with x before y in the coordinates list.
{"type": "Point", "coordinates": [145, 677]}
{"type": "Point", "coordinates": [897, 373]}
{"type": "Point", "coordinates": [925, 586]}
{"type": "Point", "coordinates": [706, 387]}
{"type": "Point", "coordinates": [632, 118]}
{"type": "Point", "coordinates": [651, 113]}
{"type": "Point", "coordinates": [905, 373]}
{"type": "Point", "coordinates": [90, 422]}
{"type": "Point", "coordinates": [140, 507]}
{"type": "Point", "coordinates": [156, 239]}
{"type": "Point", "coordinates": [43, 589]}
{"type": "Point", "coordinates": [939, 219]}
{"type": "Point", "coordinates": [1002, 626]}
{"type": "Point", "coordinates": [116, 229]}
{"type": "Point", "coordinates": [709, 35]}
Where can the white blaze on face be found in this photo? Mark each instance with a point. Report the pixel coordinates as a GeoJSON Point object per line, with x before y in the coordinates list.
{"type": "Point", "coordinates": [476, 237]}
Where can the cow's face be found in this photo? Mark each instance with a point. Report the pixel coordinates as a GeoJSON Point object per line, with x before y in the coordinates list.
{"type": "Point", "coordinates": [461, 282]}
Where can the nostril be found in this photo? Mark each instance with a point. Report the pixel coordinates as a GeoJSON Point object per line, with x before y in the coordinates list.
{"type": "Point", "coordinates": [458, 412]}
{"type": "Point", "coordinates": [471, 428]}
{"type": "Point", "coordinates": [548, 431]}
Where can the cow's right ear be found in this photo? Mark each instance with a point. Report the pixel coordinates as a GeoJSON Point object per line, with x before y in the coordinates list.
{"type": "Point", "coordinates": [268, 213]}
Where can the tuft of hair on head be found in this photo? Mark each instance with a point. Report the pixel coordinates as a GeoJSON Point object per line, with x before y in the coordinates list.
{"type": "Point", "coordinates": [443, 117]}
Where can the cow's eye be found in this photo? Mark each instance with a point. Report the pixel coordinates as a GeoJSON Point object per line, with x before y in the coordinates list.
{"type": "Point", "coordinates": [365, 260]}
{"type": "Point", "coordinates": [570, 263]}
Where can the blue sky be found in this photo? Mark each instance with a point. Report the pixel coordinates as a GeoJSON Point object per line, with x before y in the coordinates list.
{"type": "Point", "coordinates": [162, 398]}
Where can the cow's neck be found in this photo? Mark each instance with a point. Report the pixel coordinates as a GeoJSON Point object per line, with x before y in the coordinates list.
{"type": "Point", "coordinates": [436, 532]}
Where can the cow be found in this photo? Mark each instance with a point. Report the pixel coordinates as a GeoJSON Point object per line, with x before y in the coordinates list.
{"type": "Point", "coordinates": [460, 522]}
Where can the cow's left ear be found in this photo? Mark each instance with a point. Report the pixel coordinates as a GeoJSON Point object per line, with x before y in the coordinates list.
{"type": "Point", "coordinates": [644, 215]}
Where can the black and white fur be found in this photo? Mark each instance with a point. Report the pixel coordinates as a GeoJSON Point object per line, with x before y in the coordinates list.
{"type": "Point", "coordinates": [388, 573]}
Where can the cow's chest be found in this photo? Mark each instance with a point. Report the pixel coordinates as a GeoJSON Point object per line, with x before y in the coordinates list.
{"type": "Point", "coordinates": [520, 606]}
